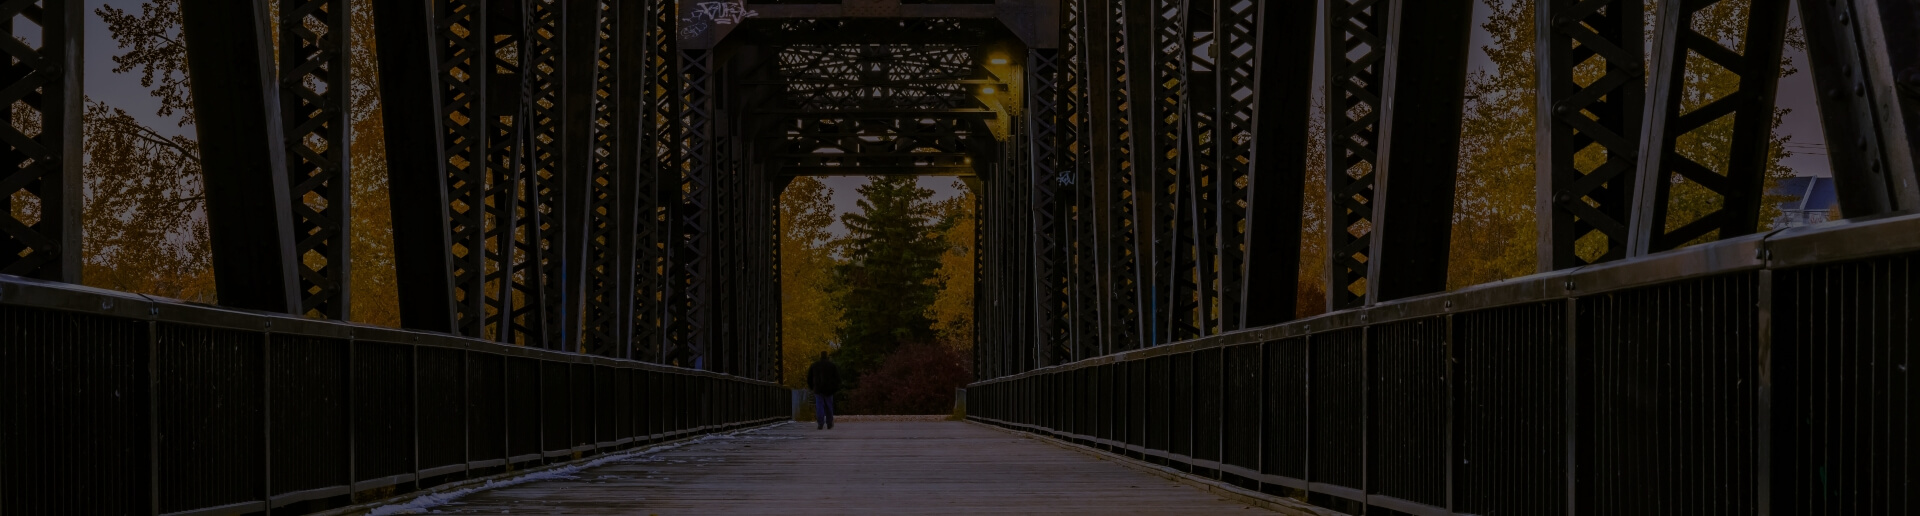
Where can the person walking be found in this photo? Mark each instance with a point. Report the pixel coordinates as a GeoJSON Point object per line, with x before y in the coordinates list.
{"type": "Point", "coordinates": [824, 379]}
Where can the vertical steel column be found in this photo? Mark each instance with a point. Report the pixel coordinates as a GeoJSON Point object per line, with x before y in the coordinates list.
{"type": "Point", "coordinates": [661, 131]}
{"type": "Point", "coordinates": [40, 234]}
{"type": "Point", "coordinates": [460, 39]}
{"type": "Point", "coordinates": [1740, 184]}
{"type": "Point", "coordinates": [1127, 325]}
{"type": "Point", "coordinates": [693, 255]}
{"type": "Point", "coordinates": [1426, 79]}
{"type": "Point", "coordinates": [409, 75]}
{"type": "Point", "coordinates": [514, 227]}
{"type": "Point", "coordinates": [1574, 198]}
{"type": "Point", "coordinates": [1276, 110]}
{"type": "Point", "coordinates": [631, 43]}
{"type": "Point", "coordinates": [249, 216]}
{"type": "Point", "coordinates": [1153, 37]}
{"type": "Point", "coordinates": [1044, 92]}
{"type": "Point", "coordinates": [1100, 175]}
{"type": "Point", "coordinates": [314, 92]}
{"type": "Point", "coordinates": [554, 183]}
{"type": "Point", "coordinates": [1196, 272]}
{"type": "Point", "coordinates": [1084, 247]}
{"type": "Point", "coordinates": [1354, 86]}
{"type": "Point", "coordinates": [610, 209]}
{"type": "Point", "coordinates": [1865, 56]}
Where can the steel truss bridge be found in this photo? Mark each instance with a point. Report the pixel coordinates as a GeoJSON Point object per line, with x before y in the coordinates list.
{"type": "Point", "coordinates": [584, 216]}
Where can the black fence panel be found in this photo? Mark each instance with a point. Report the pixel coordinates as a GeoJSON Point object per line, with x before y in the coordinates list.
{"type": "Point", "coordinates": [70, 382]}
{"type": "Point", "coordinates": [1284, 440]}
{"type": "Point", "coordinates": [1843, 351]}
{"type": "Point", "coordinates": [556, 409]}
{"type": "Point", "coordinates": [211, 397]}
{"type": "Point", "coordinates": [488, 424]}
{"type": "Point", "coordinates": [383, 434]}
{"type": "Point", "coordinates": [1674, 397]}
{"type": "Point", "coordinates": [1241, 410]}
{"type": "Point", "coordinates": [1407, 411]}
{"type": "Point", "coordinates": [1206, 405]}
{"type": "Point", "coordinates": [309, 392]}
{"type": "Point", "coordinates": [582, 393]}
{"type": "Point", "coordinates": [525, 421]}
{"type": "Point", "coordinates": [1337, 393]}
{"type": "Point", "coordinates": [443, 408]}
{"type": "Point", "coordinates": [621, 409]}
{"type": "Point", "coordinates": [1510, 434]}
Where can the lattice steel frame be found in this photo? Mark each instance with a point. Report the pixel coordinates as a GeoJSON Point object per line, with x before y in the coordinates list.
{"type": "Point", "coordinates": [1572, 199]}
{"type": "Point", "coordinates": [314, 92]}
{"type": "Point", "coordinates": [1354, 86]}
{"type": "Point", "coordinates": [40, 187]}
{"type": "Point", "coordinates": [1045, 90]}
{"type": "Point", "coordinates": [1738, 191]}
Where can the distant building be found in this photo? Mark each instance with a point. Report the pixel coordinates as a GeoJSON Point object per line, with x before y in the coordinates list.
{"type": "Point", "coordinates": [1810, 200]}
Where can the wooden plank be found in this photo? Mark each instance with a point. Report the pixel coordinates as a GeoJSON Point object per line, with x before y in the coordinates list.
{"type": "Point", "coordinates": [858, 467]}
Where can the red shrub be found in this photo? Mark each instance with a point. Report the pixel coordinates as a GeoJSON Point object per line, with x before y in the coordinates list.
{"type": "Point", "coordinates": [914, 379]}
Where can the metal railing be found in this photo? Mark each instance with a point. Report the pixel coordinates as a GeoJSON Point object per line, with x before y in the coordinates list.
{"type": "Point", "coordinates": [116, 403]}
{"type": "Point", "coordinates": [1768, 374]}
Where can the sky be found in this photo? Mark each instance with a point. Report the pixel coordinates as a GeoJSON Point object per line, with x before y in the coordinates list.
{"type": "Point", "coordinates": [1802, 124]}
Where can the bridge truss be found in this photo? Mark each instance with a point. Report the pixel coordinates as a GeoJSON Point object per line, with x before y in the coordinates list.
{"type": "Point", "coordinates": [584, 195]}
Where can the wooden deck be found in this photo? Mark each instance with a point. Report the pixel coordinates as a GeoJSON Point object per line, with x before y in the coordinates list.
{"type": "Point", "coordinates": [857, 468]}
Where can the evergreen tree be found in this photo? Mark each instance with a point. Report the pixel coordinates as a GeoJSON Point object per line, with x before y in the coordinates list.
{"type": "Point", "coordinates": [887, 283]}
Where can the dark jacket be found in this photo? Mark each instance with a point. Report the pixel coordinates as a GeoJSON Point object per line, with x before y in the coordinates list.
{"type": "Point", "coordinates": [824, 378]}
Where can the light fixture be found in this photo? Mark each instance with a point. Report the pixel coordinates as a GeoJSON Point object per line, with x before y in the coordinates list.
{"type": "Point", "coordinates": [987, 90]}
{"type": "Point", "coordinates": [998, 60]}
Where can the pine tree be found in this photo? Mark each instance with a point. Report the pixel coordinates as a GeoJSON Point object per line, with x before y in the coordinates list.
{"type": "Point", "coordinates": [887, 283]}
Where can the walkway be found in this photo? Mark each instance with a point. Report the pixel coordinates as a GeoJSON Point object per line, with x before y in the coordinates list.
{"type": "Point", "coordinates": [857, 468]}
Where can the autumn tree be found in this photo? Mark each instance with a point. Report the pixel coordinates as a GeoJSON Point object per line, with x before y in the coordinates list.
{"type": "Point", "coordinates": [810, 316]}
{"type": "Point", "coordinates": [952, 310]}
{"type": "Point", "coordinates": [886, 283]}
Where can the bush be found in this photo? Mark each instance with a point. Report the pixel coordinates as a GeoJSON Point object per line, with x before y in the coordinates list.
{"type": "Point", "coordinates": [916, 379]}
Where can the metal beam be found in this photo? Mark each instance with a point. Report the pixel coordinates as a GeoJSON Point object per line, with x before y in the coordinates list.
{"type": "Point", "coordinates": [1731, 188]}
{"type": "Point", "coordinates": [1356, 33]}
{"type": "Point", "coordinates": [243, 154]}
{"type": "Point", "coordinates": [1276, 168]}
{"type": "Point", "coordinates": [314, 100]}
{"type": "Point", "coordinates": [44, 101]}
{"type": "Point", "coordinates": [1426, 76]}
{"type": "Point", "coordinates": [409, 66]}
{"type": "Point", "coordinates": [1575, 199]}
{"type": "Point", "coordinates": [1868, 111]}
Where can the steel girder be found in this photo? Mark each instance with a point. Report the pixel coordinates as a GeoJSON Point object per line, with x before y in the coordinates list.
{"type": "Point", "coordinates": [248, 209]}
{"type": "Point", "coordinates": [314, 101]}
{"type": "Point", "coordinates": [41, 182]}
{"type": "Point", "coordinates": [1737, 184]}
{"type": "Point", "coordinates": [1575, 200]}
{"type": "Point", "coordinates": [1865, 56]}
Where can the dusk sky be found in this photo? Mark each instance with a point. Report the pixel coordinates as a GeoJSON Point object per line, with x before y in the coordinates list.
{"type": "Point", "coordinates": [1802, 124]}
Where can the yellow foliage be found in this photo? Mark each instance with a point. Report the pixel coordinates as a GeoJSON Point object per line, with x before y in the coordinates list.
{"type": "Point", "coordinates": [952, 310]}
{"type": "Point", "coordinates": [809, 318]}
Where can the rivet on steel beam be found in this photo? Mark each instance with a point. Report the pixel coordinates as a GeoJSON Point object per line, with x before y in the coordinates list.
{"type": "Point", "coordinates": [1569, 284]}
{"type": "Point", "coordinates": [153, 310]}
{"type": "Point", "coordinates": [269, 324]}
{"type": "Point", "coordinates": [1448, 304]}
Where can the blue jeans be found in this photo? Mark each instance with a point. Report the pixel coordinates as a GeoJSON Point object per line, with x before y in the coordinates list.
{"type": "Point", "coordinates": [823, 409]}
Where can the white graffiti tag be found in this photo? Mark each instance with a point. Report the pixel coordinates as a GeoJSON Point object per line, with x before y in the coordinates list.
{"type": "Point", "coordinates": [723, 13]}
